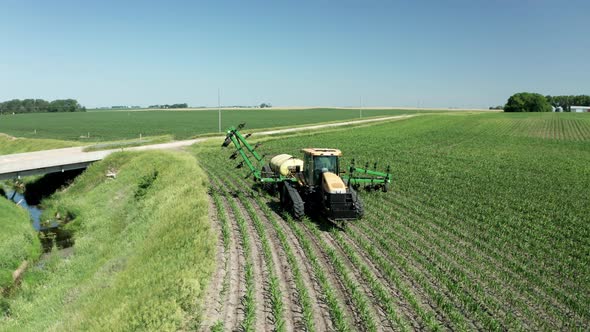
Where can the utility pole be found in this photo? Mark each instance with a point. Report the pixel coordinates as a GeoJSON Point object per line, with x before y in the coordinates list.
{"type": "Point", "coordinates": [219, 107]}
{"type": "Point", "coordinates": [360, 107]}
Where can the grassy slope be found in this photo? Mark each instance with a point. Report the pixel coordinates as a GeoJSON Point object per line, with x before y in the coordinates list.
{"type": "Point", "coordinates": [18, 240]}
{"type": "Point", "coordinates": [139, 262]}
{"type": "Point", "coordinates": [525, 176]}
{"type": "Point", "coordinates": [106, 126]}
{"type": "Point", "coordinates": [10, 145]}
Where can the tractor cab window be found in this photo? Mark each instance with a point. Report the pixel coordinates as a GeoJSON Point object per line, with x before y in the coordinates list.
{"type": "Point", "coordinates": [323, 164]}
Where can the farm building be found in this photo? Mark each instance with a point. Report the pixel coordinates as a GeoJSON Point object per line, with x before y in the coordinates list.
{"type": "Point", "coordinates": [580, 109]}
{"type": "Point", "coordinates": [557, 109]}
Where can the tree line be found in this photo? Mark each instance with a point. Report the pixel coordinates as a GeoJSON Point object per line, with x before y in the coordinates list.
{"type": "Point", "coordinates": [183, 105]}
{"type": "Point", "coordinates": [535, 102]}
{"type": "Point", "coordinates": [40, 106]}
{"type": "Point", "coordinates": [566, 102]}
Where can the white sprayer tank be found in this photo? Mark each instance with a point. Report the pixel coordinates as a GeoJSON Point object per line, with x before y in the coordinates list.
{"type": "Point", "coordinates": [285, 164]}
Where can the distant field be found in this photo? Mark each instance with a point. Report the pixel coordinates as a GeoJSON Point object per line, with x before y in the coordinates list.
{"type": "Point", "coordinates": [105, 126]}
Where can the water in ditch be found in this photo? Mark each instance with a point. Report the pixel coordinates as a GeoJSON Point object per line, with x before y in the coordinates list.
{"type": "Point", "coordinates": [34, 210]}
{"type": "Point", "coordinates": [50, 232]}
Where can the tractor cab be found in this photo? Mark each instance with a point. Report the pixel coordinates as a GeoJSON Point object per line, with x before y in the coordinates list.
{"type": "Point", "coordinates": [319, 161]}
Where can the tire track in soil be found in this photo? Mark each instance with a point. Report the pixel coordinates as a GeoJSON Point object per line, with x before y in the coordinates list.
{"type": "Point", "coordinates": [331, 274]}
{"type": "Point", "coordinates": [322, 321]}
{"type": "Point", "coordinates": [321, 316]}
{"type": "Point", "coordinates": [402, 308]}
{"type": "Point", "coordinates": [355, 275]}
{"type": "Point", "coordinates": [234, 309]}
{"type": "Point", "coordinates": [213, 303]}
{"type": "Point", "coordinates": [264, 320]}
{"type": "Point", "coordinates": [292, 309]}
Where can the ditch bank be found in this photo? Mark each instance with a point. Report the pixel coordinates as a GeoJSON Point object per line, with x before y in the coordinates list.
{"type": "Point", "coordinates": [19, 245]}
{"type": "Point", "coordinates": [143, 254]}
{"type": "Point", "coordinates": [27, 237]}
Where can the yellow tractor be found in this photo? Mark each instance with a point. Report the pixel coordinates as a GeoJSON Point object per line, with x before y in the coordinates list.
{"type": "Point", "coordinates": [311, 185]}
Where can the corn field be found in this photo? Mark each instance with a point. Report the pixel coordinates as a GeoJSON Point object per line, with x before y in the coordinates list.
{"type": "Point", "coordinates": [486, 227]}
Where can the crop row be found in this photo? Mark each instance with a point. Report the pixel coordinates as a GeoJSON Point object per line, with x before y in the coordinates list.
{"type": "Point", "coordinates": [460, 243]}
{"type": "Point", "coordinates": [489, 219]}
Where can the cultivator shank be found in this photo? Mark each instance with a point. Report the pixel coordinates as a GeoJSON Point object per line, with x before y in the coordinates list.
{"type": "Point", "coordinates": [369, 178]}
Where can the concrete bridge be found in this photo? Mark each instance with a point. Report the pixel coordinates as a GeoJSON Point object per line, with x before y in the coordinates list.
{"type": "Point", "coordinates": [59, 160]}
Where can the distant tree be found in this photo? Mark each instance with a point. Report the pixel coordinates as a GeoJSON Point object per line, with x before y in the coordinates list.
{"type": "Point", "coordinates": [184, 105]}
{"type": "Point", "coordinates": [265, 105]}
{"type": "Point", "coordinates": [40, 105]}
{"type": "Point", "coordinates": [64, 105]}
{"type": "Point", "coordinates": [499, 107]}
{"type": "Point", "coordinates": [527, 102]}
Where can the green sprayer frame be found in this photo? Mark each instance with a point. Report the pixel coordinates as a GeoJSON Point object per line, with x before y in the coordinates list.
{"type": "Point", "coordinates": [356, 176]}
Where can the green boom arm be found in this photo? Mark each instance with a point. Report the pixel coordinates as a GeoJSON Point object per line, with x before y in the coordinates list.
{"type": "Point", "coordinates": [359, 175]}
{"type": "Point", "coordinates": [242, 147]}
{"type": "Point", "coordinates": [234, 136]}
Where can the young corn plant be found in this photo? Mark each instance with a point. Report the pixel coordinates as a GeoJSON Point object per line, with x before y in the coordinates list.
{"type": "Point", "coordinates": [302, 290]}
{"type": "Point", "coordinates": [339, 319]}
{"type": "Point", "coordinates": [392, 275]}
{"type": "Point", "coordinates": [385, 299]}
{"type": "Point", "coordinates": [359, 299]}
{"type": "Point", "coordinates": [275, 292]}
{"type": "Point", "coordinates": [249, 300]}
{"type": "Point", "coordinates": [302, 293]}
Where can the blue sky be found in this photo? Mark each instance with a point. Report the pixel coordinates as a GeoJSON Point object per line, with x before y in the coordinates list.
{"type": "Point", "coordinates": [305, 53]}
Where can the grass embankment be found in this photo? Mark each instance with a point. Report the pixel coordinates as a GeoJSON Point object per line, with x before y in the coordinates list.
{"type": "Point", "coordinates": [18, 241]}
{"type": "Point", "coordinates": [129, 143]}
{"type": "Point", "coordinates": [9, 144]}
{"type": "Point", "coordinates": [143, 251]}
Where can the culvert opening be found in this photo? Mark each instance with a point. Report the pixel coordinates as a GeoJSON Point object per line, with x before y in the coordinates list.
{"type": "Point", "coordinates": [29, 194]}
